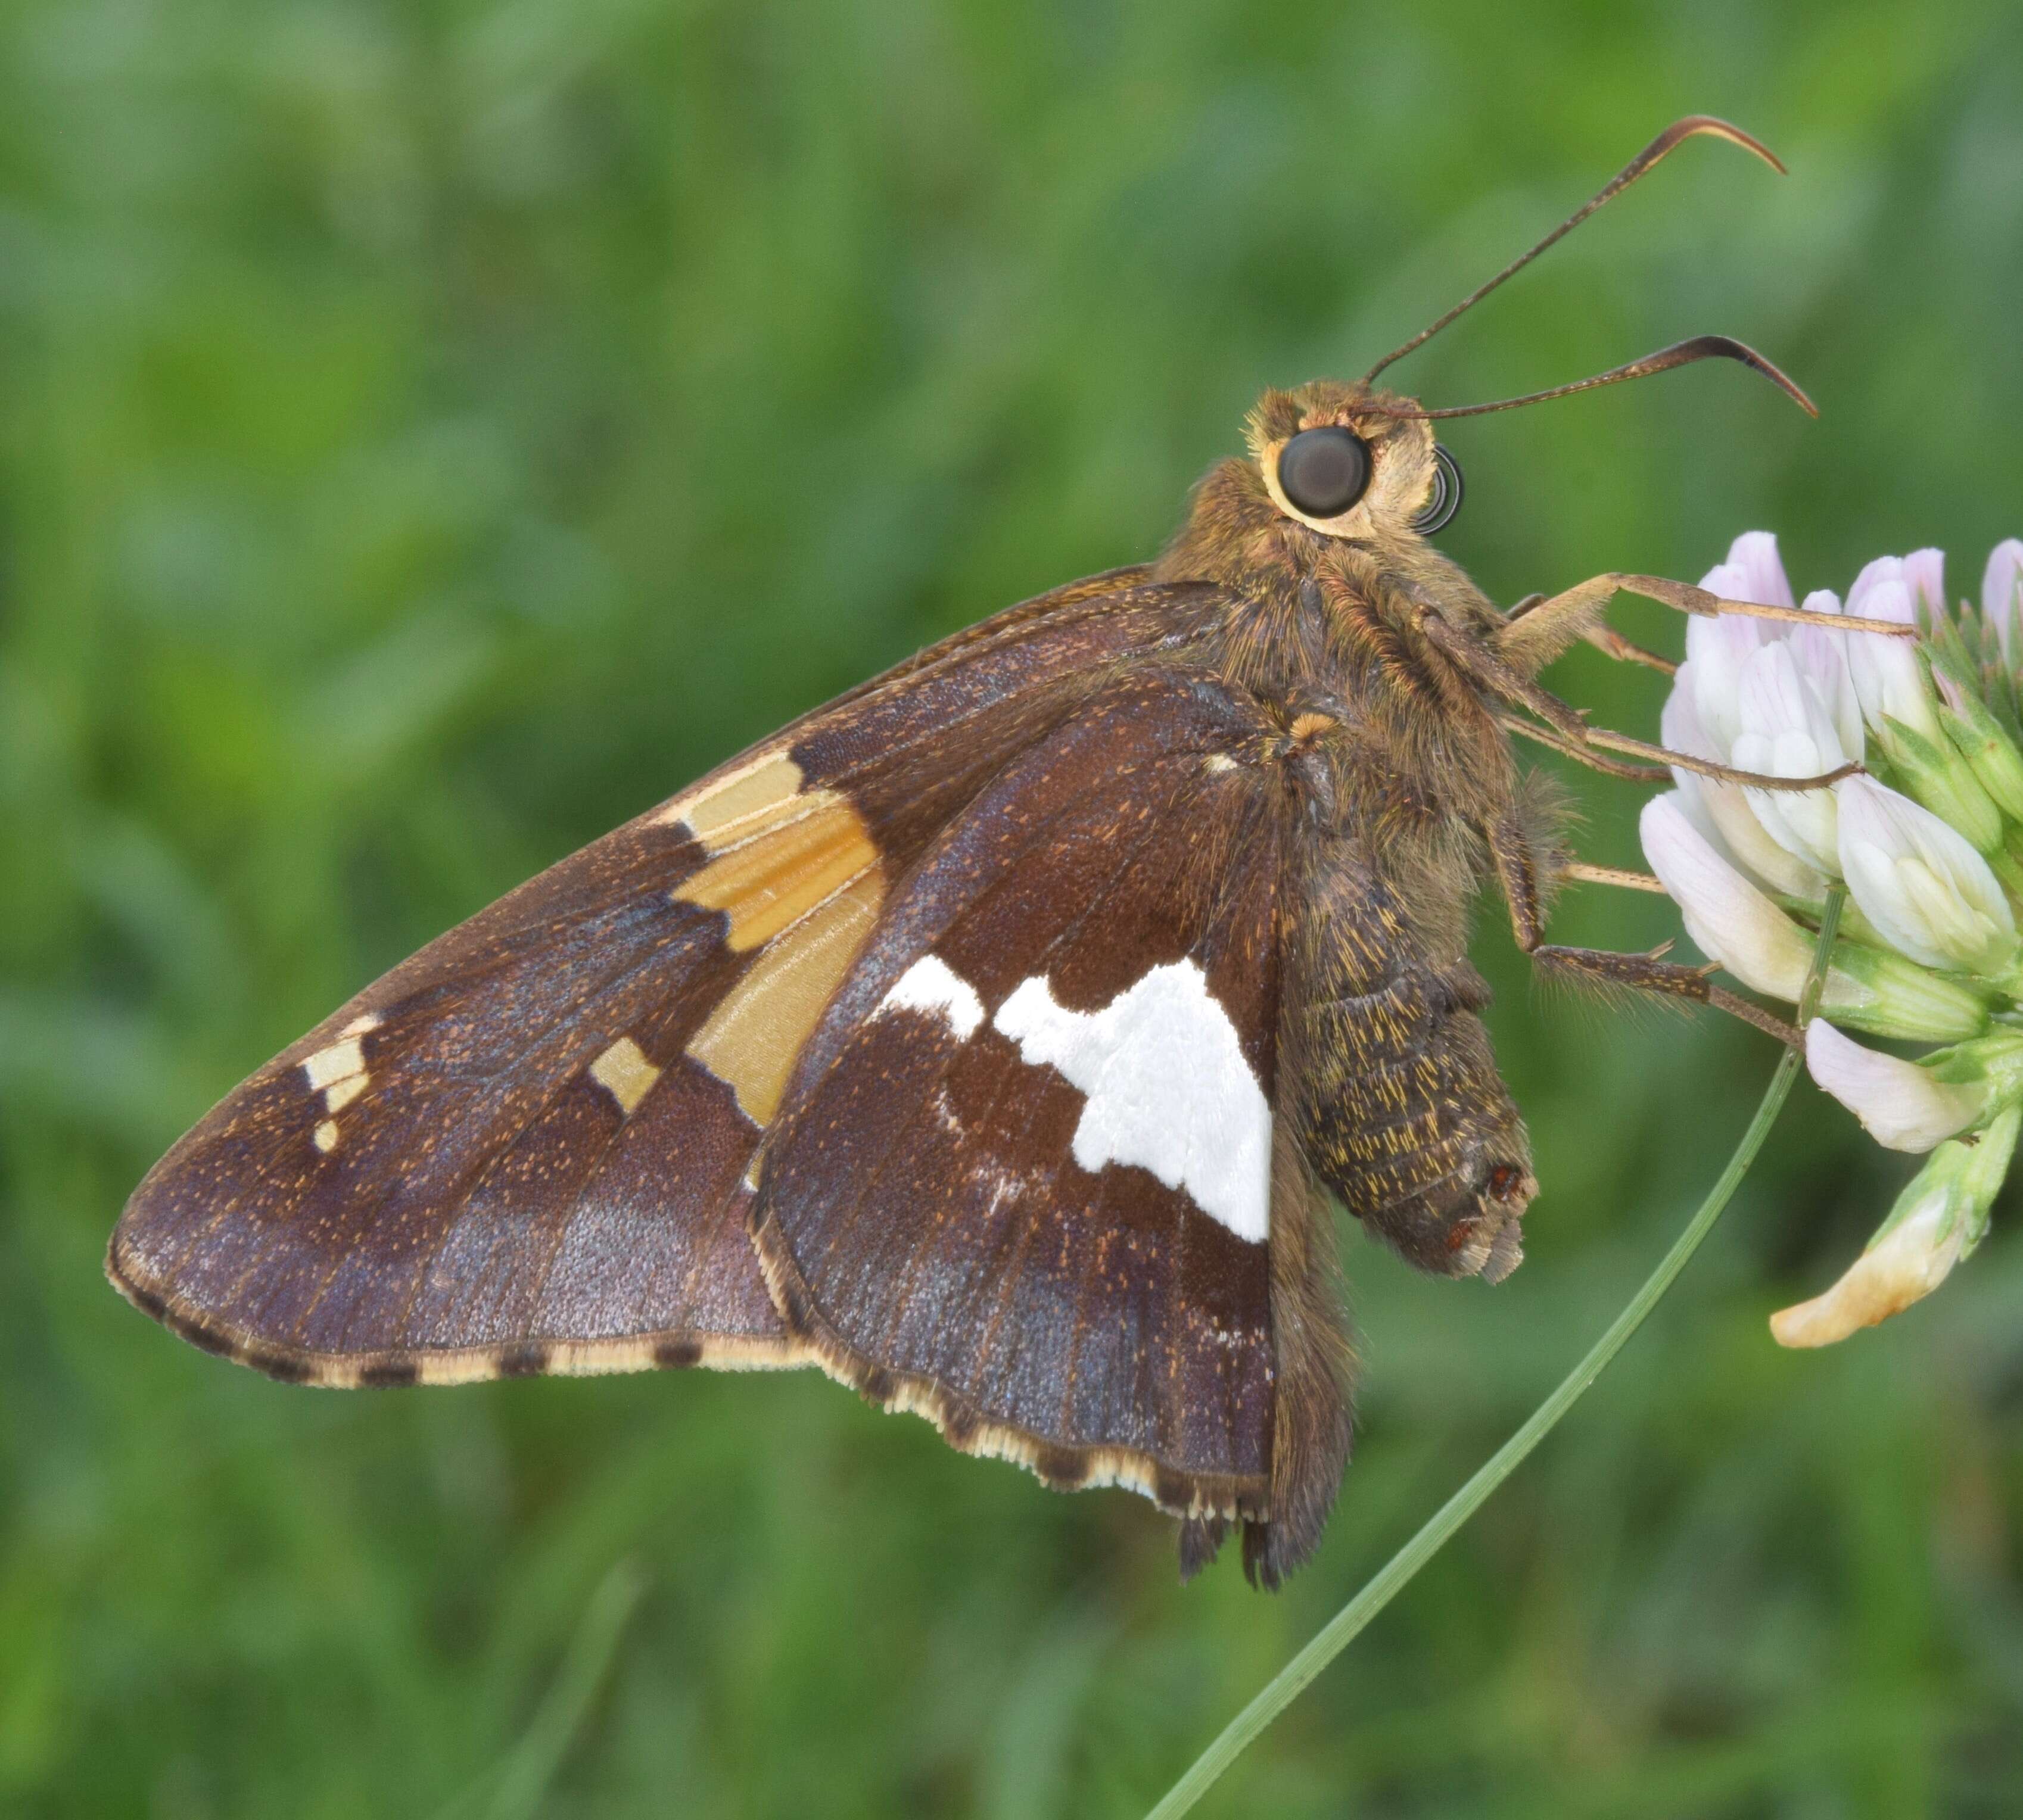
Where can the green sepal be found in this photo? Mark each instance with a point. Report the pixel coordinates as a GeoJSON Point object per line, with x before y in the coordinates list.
{"type": "Point", "coordinates": [1942, 779]}
{"type": "Point", "coordinates": [1989, 750]}
{"type": "Point", "coordinates": [1880, 991]}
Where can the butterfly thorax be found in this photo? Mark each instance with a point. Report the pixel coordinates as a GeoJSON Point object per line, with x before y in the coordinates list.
{"type": "Point", "coordinates": [1390, 763]}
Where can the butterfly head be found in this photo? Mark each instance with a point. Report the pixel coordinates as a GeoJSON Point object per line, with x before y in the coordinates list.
{"type": "Point", "coordinates": [1353, 463]}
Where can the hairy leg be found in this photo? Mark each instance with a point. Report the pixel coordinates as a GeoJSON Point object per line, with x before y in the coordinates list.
{"type": "Point", "coordinates": [1485, 666]}
{"type": "Point", "coordinates": [1516, 870]}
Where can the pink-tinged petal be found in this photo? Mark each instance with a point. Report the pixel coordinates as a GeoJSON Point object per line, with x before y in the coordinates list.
{"type": "Point", "coordinates": [1889, 681]}
{"type": "Point", "coordinates": [1883, 570]}
{"type": "Point", "coordinates": [1900, 1105]}
{"type": "Point", "coordinates": [1925, 576]}
{"type": "Point", "coordinates": [1999, 582]}
{"type": "Point", "coordinates": [1732, 921]}
{"type": "Point", "coordinates": [1730, 582]}
{"type": "Point", "coordinates": [1755, 553]}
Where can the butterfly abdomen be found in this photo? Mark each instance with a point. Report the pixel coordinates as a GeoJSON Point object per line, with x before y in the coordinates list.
{"type": "Point", "coordinates": [1399, 1105]}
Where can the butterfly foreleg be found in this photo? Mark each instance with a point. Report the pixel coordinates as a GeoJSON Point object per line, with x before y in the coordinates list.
{"type": "Point", "coordinates": [1543, 628]}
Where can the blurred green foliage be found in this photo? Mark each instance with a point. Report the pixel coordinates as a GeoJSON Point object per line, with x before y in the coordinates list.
{"type": "Point", "coordinates": [430, 433]}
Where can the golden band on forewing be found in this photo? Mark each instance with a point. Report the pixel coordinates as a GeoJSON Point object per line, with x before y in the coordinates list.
{"type": "Point", "coordinates": [796, 872]}
{"type": "Point", "coordinates": [772, 879]}
{"type": "Point", "coordinates": [753, 1037]}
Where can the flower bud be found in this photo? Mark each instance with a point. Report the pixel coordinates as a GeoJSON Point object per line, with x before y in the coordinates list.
{"type": "Point", "coordinates": [1920, 883]}
{"type": "Point", "coordinates": [1937, 1220]}
{"type": "Point", "coordinates": [1874, 990]}
{"type": "Point", "coordinates": [1900, 1104]}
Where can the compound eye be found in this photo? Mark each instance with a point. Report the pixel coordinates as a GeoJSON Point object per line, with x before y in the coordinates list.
{"type": "Point", "coordinates": [1323, 472]}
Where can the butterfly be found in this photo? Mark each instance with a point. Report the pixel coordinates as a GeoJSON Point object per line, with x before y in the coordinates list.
{"type": "Point", "coordinates": [994, 1037]}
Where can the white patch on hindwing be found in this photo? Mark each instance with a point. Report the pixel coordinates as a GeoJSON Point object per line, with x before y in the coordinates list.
{"type": "Point", "coordinates": [930, 985]}
{"type": "Point", "coordinates": [1167, 1085]}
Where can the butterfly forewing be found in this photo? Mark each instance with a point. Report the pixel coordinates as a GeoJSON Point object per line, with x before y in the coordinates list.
{"type": "Point", "coordinates": [528, 1148]}
{"type": "Point", "coordinates": [1023, 1181]}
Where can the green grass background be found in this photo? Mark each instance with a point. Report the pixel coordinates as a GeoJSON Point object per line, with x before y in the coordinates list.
{"type": "Point", "coordinates": [430, 433]}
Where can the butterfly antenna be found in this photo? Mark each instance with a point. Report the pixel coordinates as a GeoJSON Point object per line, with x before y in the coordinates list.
{"type": "Point", "coordinates": [1675, 135]}
{"type": "Point", "coordinates": [1679, 354]}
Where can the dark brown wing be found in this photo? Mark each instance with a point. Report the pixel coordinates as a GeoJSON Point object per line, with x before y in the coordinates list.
{"type": "Point", "coordinates": [526, 1148]}
{"type": "Point", "coordinates": [1026, 1181]}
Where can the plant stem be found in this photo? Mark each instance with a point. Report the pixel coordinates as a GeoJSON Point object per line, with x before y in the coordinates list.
{"type": "Point", "coordinates": [1391, 1579]}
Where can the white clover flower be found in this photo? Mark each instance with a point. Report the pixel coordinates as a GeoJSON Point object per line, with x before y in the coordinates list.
{"type": "Point", "coordinates": [1734, 924]}
{"type": "Point", "coordinates": [1900, 1104]}
{"type": "Point", "coordinates": [1920, 883]}
{"type": "Point", "coordinates": [1930, 949]}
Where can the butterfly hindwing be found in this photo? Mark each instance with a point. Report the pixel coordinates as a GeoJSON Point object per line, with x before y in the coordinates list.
{"type": "Point", "coordinates": [1026, 1178]}
{"type": "Point", "coordinates": [527, 1148]}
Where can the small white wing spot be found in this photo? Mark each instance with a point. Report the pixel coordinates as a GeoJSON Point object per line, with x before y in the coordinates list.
{"type": "Point", "coordinates": [931, 984]}
{"type": "Point", "coordinates": [338, 1073]}
{"type": "Point", "coordinates": [335, 1063]}
{"type": "Point", "coordinates": [1167, 1089]}
{"type": "Point", "coordinates": [623, 1072]}
{"type": "Point", "coordinates": [362, 1026]}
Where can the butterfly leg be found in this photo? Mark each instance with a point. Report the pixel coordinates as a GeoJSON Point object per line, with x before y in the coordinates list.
{"type": "Point", "coordinates": [1566, 731]}
{"type": "Point", "coordinates": [1580, 750]}
{"type": "Point", "coordinates": [1541, 628]}
{"type": "Point", "coordinates": [1516, 870]}
{"type": "Point", "coordinates": [1607, 641]}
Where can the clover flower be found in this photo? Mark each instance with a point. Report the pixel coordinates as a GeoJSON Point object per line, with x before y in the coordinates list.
{"type": "Point", "coordinates": [1928, 844]}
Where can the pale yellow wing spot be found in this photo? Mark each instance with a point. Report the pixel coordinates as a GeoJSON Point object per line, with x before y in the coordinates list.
{"type": "Point", "coordinates": [338, 1073]}
{"type": "Point", "coordinates": [623, 1072]}
{"type": "Point", "coordinates": [335, 1063]}
{"type": "Point", "coordinates": [754, 796]}
{"type": "Point", "coordinates": [753, 1037]}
